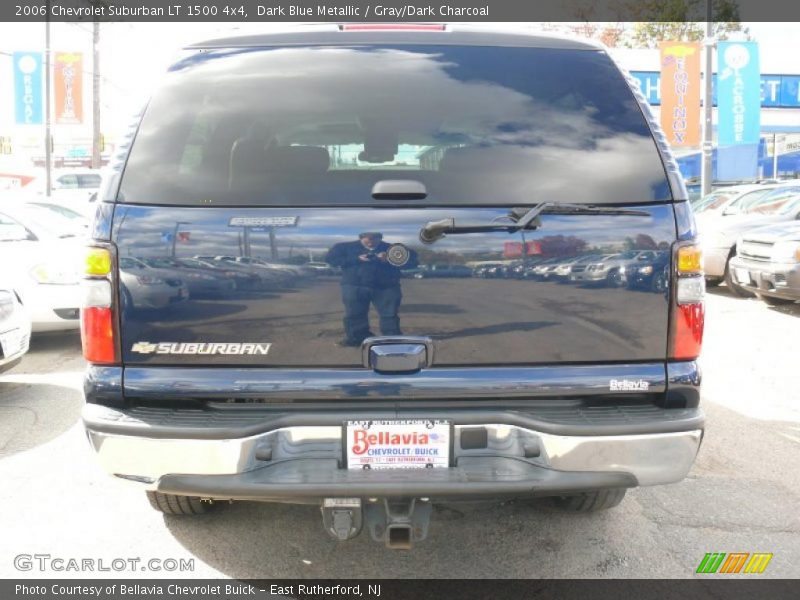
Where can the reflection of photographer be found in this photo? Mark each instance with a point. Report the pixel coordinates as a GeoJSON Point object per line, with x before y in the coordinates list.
{"type": "Point", "coordinates": [370, 277]}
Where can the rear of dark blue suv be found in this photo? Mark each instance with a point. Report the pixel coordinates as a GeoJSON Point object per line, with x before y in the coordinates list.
{"type": "Point", "coordinates": [329, 166]}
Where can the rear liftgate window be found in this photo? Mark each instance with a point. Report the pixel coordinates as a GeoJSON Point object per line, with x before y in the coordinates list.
{"type": "Point", "coordinates": [320, 125]}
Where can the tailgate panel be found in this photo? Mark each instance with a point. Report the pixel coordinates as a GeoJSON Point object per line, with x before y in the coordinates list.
{"type": "Point", "coordinates": [474, 317]}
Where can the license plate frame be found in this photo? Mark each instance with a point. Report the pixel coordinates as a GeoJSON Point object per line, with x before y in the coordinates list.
{"type": "Point", "coordinates": [440, 434]}
{"type": "Point", "coordinates": [743, 276]}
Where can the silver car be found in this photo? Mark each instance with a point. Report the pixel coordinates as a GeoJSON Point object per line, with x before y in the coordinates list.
{"type": "Point", "coordinates": [767, 263]}
{"type": "Point", "coordinates": [719, 243]}
{"type": "Point", "coordinates": [15, 329]}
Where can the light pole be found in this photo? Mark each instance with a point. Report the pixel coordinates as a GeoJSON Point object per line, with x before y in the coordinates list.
{"type": "Point", "coordinates": [47, 154]}
{"type": "Point", "coordinates": [175, 234]}
{"type": "Point", "coordinates": [706, 172]}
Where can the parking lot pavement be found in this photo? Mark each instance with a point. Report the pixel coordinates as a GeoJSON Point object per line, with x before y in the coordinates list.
{"type": "Point", "coordinates": [741, 496]}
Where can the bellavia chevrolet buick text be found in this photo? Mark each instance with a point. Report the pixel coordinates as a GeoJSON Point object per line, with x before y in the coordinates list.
{"type": "Point", "coordinates": [370, 393]}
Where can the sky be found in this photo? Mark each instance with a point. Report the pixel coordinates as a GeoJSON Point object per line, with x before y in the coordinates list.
{"type": "Point", "coordinates": [135, 55]}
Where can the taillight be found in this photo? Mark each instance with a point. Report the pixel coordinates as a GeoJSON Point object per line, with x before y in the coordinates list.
{"type": "Point", "coordinates": [98, 326]}
{"type": "Point", "coordinates": [688, 313]}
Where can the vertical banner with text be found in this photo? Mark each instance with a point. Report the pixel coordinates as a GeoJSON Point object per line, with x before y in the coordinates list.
{"type": "Point", "coordinates": [680, 92]}
{"type": "Point", "coordinates": [739, 110]}
{"type": "Point", "coordinates": [28, 87]}
{"type": "Point", "coordinates": [68, 76]}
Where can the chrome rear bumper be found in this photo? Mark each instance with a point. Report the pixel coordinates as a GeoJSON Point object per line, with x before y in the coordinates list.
{"type": "Point", "coordinates": [303, 461]}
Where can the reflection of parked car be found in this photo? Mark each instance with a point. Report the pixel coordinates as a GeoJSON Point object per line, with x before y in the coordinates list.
{"type": "Point", "coordinates": [15, 329]}
{"type": "Point", "coordinates": [142, 287]}
{"type": "Point", "coordinates": [767, 263]}
{"type": "Point", "coordinates": [267, 279]}
{"type": "Point", "coordinates": [321, 268]}
{"type": "Point", "coordinates": [651, 272]}
{"type": "Point", "coordinates": [287, 271]}
{"type": "Point", "coordinates": [719, 242]}
{"type": "Point", "coordinates": [540, 270]}
{"type": "Point", "coordinates": [490, 271]}
{"type": "Point", "coordinates": [39, 254]}
{"type": "Point", "coordinates": [585, 270]}
{"type": "Point", "coordinates": [443, 271]}
{"type": "Point", "coordinates": [564, 269]}
{"type": "Point", "coordinates": [616, 266]}
{"type": "Point", "coordinates": [199, 283]}
{"type": "Point", "coordinates": [242, 279]}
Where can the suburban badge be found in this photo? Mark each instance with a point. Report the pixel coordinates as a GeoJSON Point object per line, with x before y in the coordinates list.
{"type": "Point", "coordinates": [199, 348]}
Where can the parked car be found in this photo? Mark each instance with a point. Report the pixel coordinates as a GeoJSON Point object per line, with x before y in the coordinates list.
{"type": "Point", "coordinates": [719, 243]}
{"type": "Point", "coordinates": [74, 188]}
{"type": "Point", "coordinates": [720, 199]}
{"type": "Point", "coordinates": [39, 257]}
{"type": "Point", "coordinates": [321, 268]}
{"type": "Point", "coordinates": [651, 272]}
{"type": "Point", "coordinates": [267, 279]}
{"type": "Point", "coordinates": [78, 219]}
{"type": "Point", "coordinates": [767, 263]}
{"type": "Point", "coordinates": [564, 269]}
{"type": "Point", "coordinates": [15, 329]}
{"type": "Point", "coordinates": [242, 279]}
{"type": "Point", "coordinates": [490, 271]}
{"type": "Point", "coordinates": [200, 284]}
{"type": "Point", "coordinates": [581, 268]}
{"type": "Point", "coordinates": [143, 288]}
{"type": "Point", "coordinates": [750, 199]}
{"type": "Point", "coordinates": [429, 271]}
{"type": "Point", "coordinates": [541, 270]}
{"type": "Point", "coordinates": [453, 143]}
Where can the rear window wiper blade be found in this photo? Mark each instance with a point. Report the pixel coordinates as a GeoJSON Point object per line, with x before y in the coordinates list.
{"type": "Point", "coordinates": [520, 219]}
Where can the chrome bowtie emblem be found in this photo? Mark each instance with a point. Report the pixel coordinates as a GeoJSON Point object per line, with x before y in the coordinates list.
{"type": "Point", "coordinates": [144, 348]}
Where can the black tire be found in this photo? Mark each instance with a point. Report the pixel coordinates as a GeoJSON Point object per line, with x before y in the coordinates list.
{"type": "Point", "coordinates": [772, 301]}
{"type": "Point", "coordinates": [614, 279]}
{"type": "Point", "coordinates": [734, 287]}
{"type": "Point", "coordinates": [591, 501]}
{"type": "Point", "coordinates": [170, 504]}
{"type": "Point", "coordinates": [713, 281]}
{"type": "Point", "coordinates": [660, 282]}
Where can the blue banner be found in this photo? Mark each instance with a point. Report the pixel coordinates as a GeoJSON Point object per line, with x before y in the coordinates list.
{"type": "Point", "coordinates": [738, 93]}
{"type": "Point", "coordinates": [777, 91]}
{"type": "Point", "coordinates": [28, 87]}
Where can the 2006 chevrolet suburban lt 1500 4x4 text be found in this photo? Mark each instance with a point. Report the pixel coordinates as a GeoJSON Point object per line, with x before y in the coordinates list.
{"type": "Point", "coordinates": [353, 384]}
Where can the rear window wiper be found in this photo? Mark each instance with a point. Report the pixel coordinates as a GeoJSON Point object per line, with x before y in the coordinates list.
{"type": "Point", "coordinates": [520, 219]}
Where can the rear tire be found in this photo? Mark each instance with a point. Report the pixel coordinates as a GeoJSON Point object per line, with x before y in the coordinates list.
{"type": "Point", "coordinates": [591, 501]}
{"type": "Point", "coordinates": [772, 301]}
{"type": "Point", "coordinates": [170, 504]}
{"type": "Point", "coordinates": [734, 287]}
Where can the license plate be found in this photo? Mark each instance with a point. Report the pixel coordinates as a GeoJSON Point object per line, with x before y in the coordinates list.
{"type": "Point", "coordinates": [416, 444]}
{"type": "Point", "coordinates": [11, 342]}
{"type": "Point", "coordinates": [742, 275]}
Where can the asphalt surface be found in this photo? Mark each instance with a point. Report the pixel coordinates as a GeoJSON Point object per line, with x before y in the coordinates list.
{"type": "Point", "coordinates": [741, 496]}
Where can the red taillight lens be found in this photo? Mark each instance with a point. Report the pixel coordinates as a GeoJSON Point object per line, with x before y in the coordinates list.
{"type": "Point", "coordinates": [688, 314]}
{"type": "Point", "coordinates": [98, 330]}
{"type": "Point", "coordinates": [688, 331]}
{"type": "Point", "coordinates": [97, 335]}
